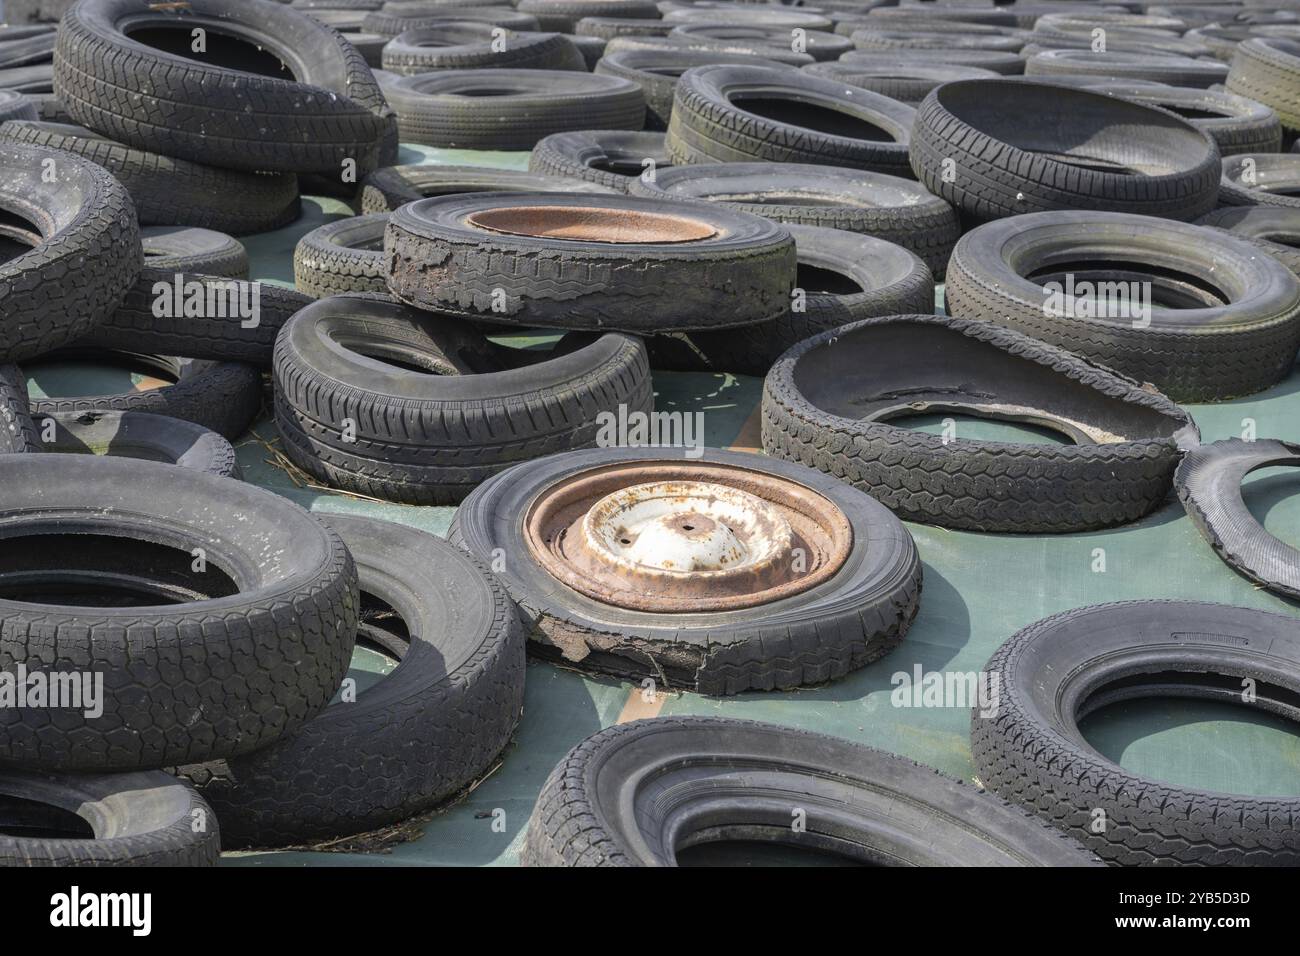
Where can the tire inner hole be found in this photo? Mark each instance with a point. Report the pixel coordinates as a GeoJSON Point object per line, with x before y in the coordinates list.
{"type": "Point", "coordinates": [382, 641]}
{"type": "Point", "coordinates": [817, 280]}
{"type": "Point", "coordinates": [32, 819]}
{"type": "Point", "coordinates": [76, 375]}
{"type": "Point", "coordinates": [814, 116]}
{"type": "Point", "coordinates": [1168, 288]}
{"type": "Point", "coordinates": [100, 570]}
{"type": "Point", "coordinates": [220, 49]}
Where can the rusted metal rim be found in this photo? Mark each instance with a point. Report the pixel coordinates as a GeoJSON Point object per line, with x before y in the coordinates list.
{"type": "Point", "coordinates": [591, 224]}
{"type": "Point", "coordinates": [683, 537]}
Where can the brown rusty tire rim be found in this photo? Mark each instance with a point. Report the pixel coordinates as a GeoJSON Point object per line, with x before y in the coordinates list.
{"type": "Point", "coordinates": [592, 224]}
{"type": "Point", "coordinates": [681, 537]}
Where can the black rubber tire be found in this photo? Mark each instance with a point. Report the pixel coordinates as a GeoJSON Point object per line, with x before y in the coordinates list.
{"type": "Point", "coordinates": [213, 337]}
{"type": "Point", "coordinates": [1275, 229]}
{"type": "Point", "coordinates": [1267, 70]}
{"type": "Point", "coordinates": [656, 71]}
{"type": "Point", "coordinates": [224, 397]}
{"type": "Point", "coordinates": [856, 616]}
{"type": "Point", "coordinates": [607, 28]}
{"type": "Point", "coordinates": [709, 125]}
{"type": "Point", "coordinates": [741, 274]}
{"type": "Point", "coordinates": [85, 255]}
{"type": "Point", "coordinates": [933, 40]}
{"type": "Point", "coordinates": [889, 280]}
{"type": "Point", "coordinates": [777, 17]}
{"type": "Point", "coordinates": [591, 48]}
{"type": "Point", "coordinates": [467, 46]}
{"type": "Point", "coordinates": [818, 44]}
{"type": "Point", "coordinates": [1237, 334]}
{"type": "Point", "coordinates": [1276, 177]}
{"type": "Point", "coordinates": [174, 192]}
{"type": "Point", "coordinates": [25, 49]}
{"type": "Point", "coordinates": [370, 46]}
{"type": "Point", "coordinates": [388, 24]}
{"type": "Point", "coordinates": [431, 438]}
{"type": "Point", "coordinates": [327, 113]}
{"type": "Point", "coordinates": [186, 249]}
{"type": "Point", "coordinates": [1174, 70]}
{"type": "Point", "coordinates": [439, 108]}
{"type": "Point", "coordinates": [386, 189]}
{"type": "Point", "coordinates": [1208, 483]}
{"type": "Point", "coordinates": [1128, 439]}
{"type": "Point", "coordinates": [16, 106]}
{"type": "Point", "coordinates": [29, 79]}
{"type": "Point", "coordinates": [428, 729]}
{"type": "Point", "coordinates": [48, 108]}
{"type": "Point", "coordinates": [1236, 124]}
{"type": "Point", "coordinates": [184, 682]}
{"type": "Point", "coordinates": [718, 49]}
{"type": "Point", "coordinates": [140, 435]}
{"type": "Point", "coordinates": [603, 805]}
{"type": "Point", "coordinates": [562, 15]}
{"type": "Point", "coordinates": [612, 158]}
{"type": "Point", "coordinates": [970, 146]}
{"type": "Point", "coordinates": [17, 432]}
{"type": "Point", "coordinates": [1004, 64]}
{"type": "Point", "coordinates": [907, 84]}
{"type": "Point", "coordinates": [342, 256]}
{"type": "Point", "coordinates": [146, 818]}
{"type": "Point", "coordinates": [834, 197]}
{"type": "Point", "coordinates": [1061, 668]}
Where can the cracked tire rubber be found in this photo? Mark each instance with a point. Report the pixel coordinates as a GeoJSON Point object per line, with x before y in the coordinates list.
{"type": "Point", "coordinates": [610, 157]}
{"type": "Point", "coordinates": [142, 435]}
{"type": "Point", "coordinates": [1276, 180]}
{"type": "Point", "coordinates": [1224, 320]}
{"type": "Point", "coordinates": [827, 407]}
{"type": "Point", "coordinates": [971, 146]}
{"type": "Point", "coordinates": [1275, 229]}
{"type": "Point", "coordinates": [839, 625]}
{"type": "Point", "coordinates": [342, 256]}
{"type": "Point", "coordinates": [425, 731]}
{"type": "Point", "coordinates": [174, 192]}
{"type": "Point", "coordinates": [431, 436]}
{"type": "Point", "coordinates": [639, 793]}
{"type": "Point", "coordinates": [468, 46]}
{"type": "Point", "coordinates": [255, 645]}
{"type": "Point", "coordinates": [1208, 483]}
{"type": "Point", "coordinates": [522, 107]}
{"type": "Point", "coordinates": [219, 335]}
{"type": "Point", "coordinates": [1267, 70]}
{"type": "Point", "coordinates": [166, 100]}
{"type": "Point", "coordinates": [85, 249]}
{"type": "Point", "coordinates": [711, 125]}
{"type": "Point", "coordinates": [845, 276]}
{"type": "Point", "coordinates": [897, 210]}
{"type": "Point", "coordinates": [739, 270]}
{"type": "Point", "coordinates": [145, 818]}
{"type": "Point", "coordinates": [1058, 670]}
{"type": "Point", "coordinates": [656, 71]}
{"type": "Point", "coordinates": [224, 397]}
{"type": "Point", "coordinates": [386, 189]}
{"type": "Point", "coordinates": [17, 432]}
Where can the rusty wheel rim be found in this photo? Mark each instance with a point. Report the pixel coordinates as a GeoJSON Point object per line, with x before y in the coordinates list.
{"type": "Point", "coordinates": [680, 537]}
{"type": "Point", "coordinates": [592, 224]}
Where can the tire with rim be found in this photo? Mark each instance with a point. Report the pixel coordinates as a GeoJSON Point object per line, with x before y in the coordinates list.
{"type": "Point", "coordinates": [469, 409]}
{"type": "Point", "coordinates": [1064, 667]}
{"type": "Point", "coordinates": [1209, 485]}
{"type": "Point", "coordinates": [843, 276]}
{"type": "Point", "coordinates": [460, 46]}
{"type": "Point", "coordinates": [140, 435]}
{"type": "Point", "coordinates": [1275, 229]}
{"type": "Point", "coordinates": [1220, 320]}
{"type": "Point", "coordinates": [84, 255]}
{"type": "Point", "coordinates": [426, 730]}
{"type": "Point", "coordinates": [844, 616]}
{"type": "Point", "coordinates": [970, 147]}
{"type": "Point", "coordinates": [386, 189]}
{"type": "Point", "coordinates": [250, 647]}
{"type": "Point", "coordinates": [175, 192]}
{"type": "Point", "coordinates": [830, 407]}
{"type": "Point", "coordinates": [222, 396]}
{"type": "Point", "coordinates": [608, 262]}
{"type": "Point", "coordinates": [1267, 70]}
{"type": "Point", "coordinates": [794, 117]}
{"type": "Point", "coordinates": [606, 803]}
{"type": "Point", "coordinates": [166, 99]}
{"type": "Point", "coordinates": [610, 157]}
{"type": "Point", "coordinates": [832, 197]}
{"type": "Point", "coordinates": [147, 818]}
{"type": "Point", "coordinates": [510, 109]}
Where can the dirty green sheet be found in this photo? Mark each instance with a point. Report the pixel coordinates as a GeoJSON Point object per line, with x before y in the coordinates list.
{"type": "Point", "coordinates": [979, 589]}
